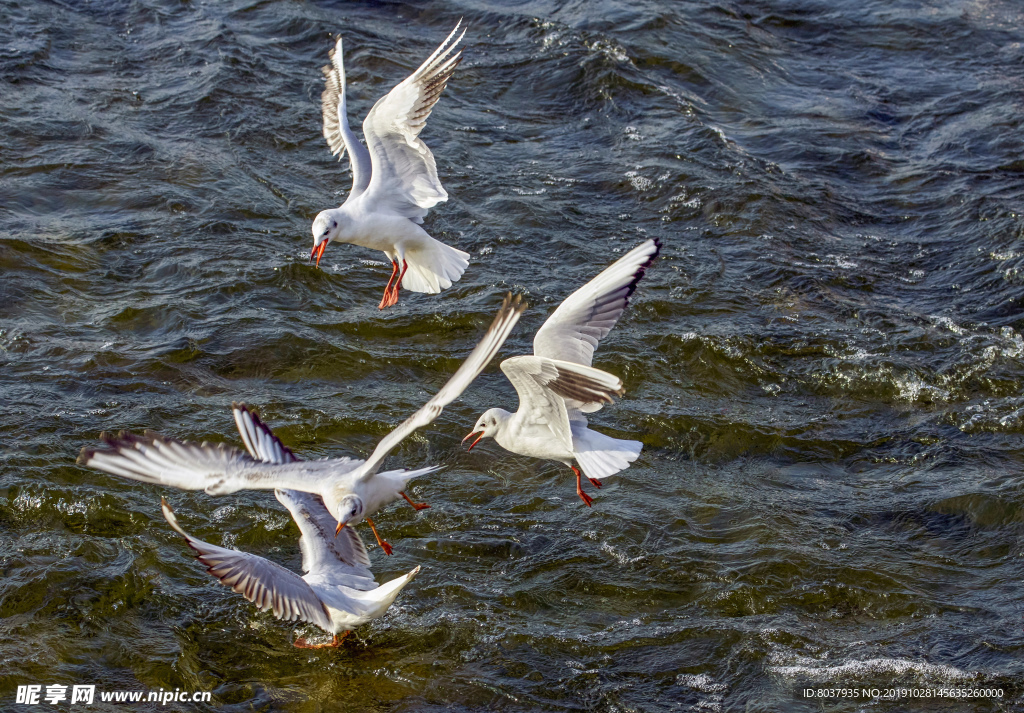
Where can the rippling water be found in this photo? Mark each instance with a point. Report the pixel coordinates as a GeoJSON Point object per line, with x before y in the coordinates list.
{"type": "Point", "coordinates": [825, 365]}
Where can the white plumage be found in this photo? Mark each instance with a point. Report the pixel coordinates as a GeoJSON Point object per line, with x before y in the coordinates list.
{"type": "Point", "coordinates": [394, 177]}
{"type": "Point", "coordinates": [557, 385]}
{"type": "Point", "coordinates": [337, 593]}
{"type": "Point", "coordinates": [352, 490]}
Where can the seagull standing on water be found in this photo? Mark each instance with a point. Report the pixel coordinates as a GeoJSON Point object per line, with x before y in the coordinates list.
{"type": "Point", "coordinates": [558, 385]}
{"type": "Point", "coordinates": [337, 593]}
{"type": "Point", "coordinates": [394, 177]}
{"type": "Point", "coordinates": [351, 489]}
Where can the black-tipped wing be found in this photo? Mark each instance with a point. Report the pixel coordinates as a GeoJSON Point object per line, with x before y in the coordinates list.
{"type": "Point", "coordinates": [151, 458]}
{"type": "Point", "coordinates": [573, 331]}
{"type": "Point", "coordinates": [214, 467]}
{"type": "Point", "coordinates": [265, 584]}
{"type": "Point", "coordinates": [266, 447]}
{"type": "Point", "coordinates": [259, 440]}
{"type": "Point", "coordinates": [336, 129]}
{"type": "Point", "coordinates": [404, 175]}
{"type": "Point", "coordinates": [504, 321]}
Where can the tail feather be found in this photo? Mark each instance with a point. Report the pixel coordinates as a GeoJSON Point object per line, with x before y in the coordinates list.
{"type": "Point", "coordinates": [390, 589]}
{"type": "Point", "coordinates": [373, 603]}
{"type": "Point", "coordinates": [599, 455]}
{"type": "Point", "coordinates": [399, 479]}
{"type": "Point", "coordinates": [433, 266]}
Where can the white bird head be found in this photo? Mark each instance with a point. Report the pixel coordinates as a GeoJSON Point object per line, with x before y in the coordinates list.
{"type": "Point", "coordinates": [488, 425]}
{"type": "Point", "coordinates": [349, 508]}
{"type": "Point", "coordinates": [325, 229]}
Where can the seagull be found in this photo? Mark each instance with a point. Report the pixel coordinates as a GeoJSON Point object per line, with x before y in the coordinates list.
{"type": "Point", "coordinates": [394, 177]}
{"type": "Point", "coordinates": [338, 591]}
{"type": "Point", "coordinates": [351, 489]}
{"type": "Point", "coordinates": [266, 447]}
{"type": "Point", "coordinates": [557, 384]}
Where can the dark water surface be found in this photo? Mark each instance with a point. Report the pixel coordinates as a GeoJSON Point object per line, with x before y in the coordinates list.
{"type": "Point", "coordinates": [824, 366]}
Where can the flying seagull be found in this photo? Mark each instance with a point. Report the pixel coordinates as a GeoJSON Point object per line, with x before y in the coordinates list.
{"type": "Point", "coordinates": [351, 489]}
{"type": "Point", "coordinates": [338, 591]}
{"type": "Point", "coordinates": [394, 177]}
{"type": "Point", "coordinates": [557, 385]}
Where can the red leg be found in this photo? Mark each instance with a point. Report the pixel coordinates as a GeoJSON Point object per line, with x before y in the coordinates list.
{"type": "Point", "coordinates": [393, 300]}
{"type": "Point", "coordinates": [405, 268]}
{"type": "Point", "coordinates": [579, 487]}
{"type": "Point", "coordinates": [384, 301]}
{"type": "Point", "coordinates": [301, 643]}
{"type": "Point", "coordinates": [383, 545]}
{"type": "Point", "coordinates": [418, 506]}
{"type": "Point", "coordinates": [595, 482]}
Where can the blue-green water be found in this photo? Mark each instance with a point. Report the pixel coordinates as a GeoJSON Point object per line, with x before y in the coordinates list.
{"type": "Point", "coordinates": [824, 365]}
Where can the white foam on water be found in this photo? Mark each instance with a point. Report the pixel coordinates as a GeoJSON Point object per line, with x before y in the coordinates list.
{"type": "Point", "coordinates": [223, 512]}
{"type": "Point", "coordinates": [609, 49]}
{"type": "Point", "coordinates": [700, 682]}
{"type": "Point", "coordinates": [896, 667]}
{"type": "Point", "coordinates": [1007, 255]}
{"type": "Point", "coordinates": [271, 520]}
{"type": "Point", "coordinates": [639, 182]}
{"type": "Point", "coordinates": [621, 557]}
{"type": "Point", "coordinates": [703, 683]}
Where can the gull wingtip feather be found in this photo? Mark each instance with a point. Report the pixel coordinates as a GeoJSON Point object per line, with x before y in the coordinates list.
{"type": "Point", "coordinates": [171, 518]}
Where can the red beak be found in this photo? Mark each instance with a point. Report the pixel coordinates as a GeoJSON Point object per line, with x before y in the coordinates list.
{"type": "Point", "coordinates": [474, 442]}
{"type": "Point", "coordinates": [318, 252]}
{"type": "Point", "coordinates": [340, 524]}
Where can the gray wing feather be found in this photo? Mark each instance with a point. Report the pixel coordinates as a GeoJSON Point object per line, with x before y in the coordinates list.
{"type": "Point", "coordinates": [552, 391]}
{"type": "Point", "coordinates": [404, 174]}
{"type": "Point", "coordinates": [511, 309]}
{"type": "Point", "coordinates": [529, 375]}
{"type": "Point", "coordinates": [259, 440]}
{"type": "Point", "coordinates": [322, 552]}
{"type": "Point", "coordinates": [214, 467]}
{"type": "Point", "coordinates": [573, 331]}
{"type": "Point", "coordinates": [336, 129]}
{"type": "Point", "coordinates": [151, 458]}
{"type": "Point", "coordinates": [265, 584]}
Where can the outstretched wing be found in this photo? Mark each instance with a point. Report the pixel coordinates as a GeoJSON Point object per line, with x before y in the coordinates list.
{"type": "Point", "coordinates": [573, 331]}
{"type": "Point", "coordinates": [259, 440]}
{"type": "Point", "coordinates": [336, 130]}
{"type": "Point", "coordinates": [342, 559]}
{"type": "Point", "coordinates": [508, 315]}
{"type": "Point", "coordinates": [264, 446]}
{"type": "Point", "coordinates": [404, 175]}
{"type": "Point", "coordinates": [214, 467]}
{"type": "Point", "coordinates": [343, 556]}
{"type": "Point", "coordinates": [265, 584]}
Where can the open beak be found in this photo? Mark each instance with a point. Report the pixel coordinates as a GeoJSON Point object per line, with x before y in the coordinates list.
{"type": "Point", "coordinates": [337, 530]}
{"type": "Point", "coordinates": [318, 252]}
{"type": "Point", "coordinates": [474, 442]}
